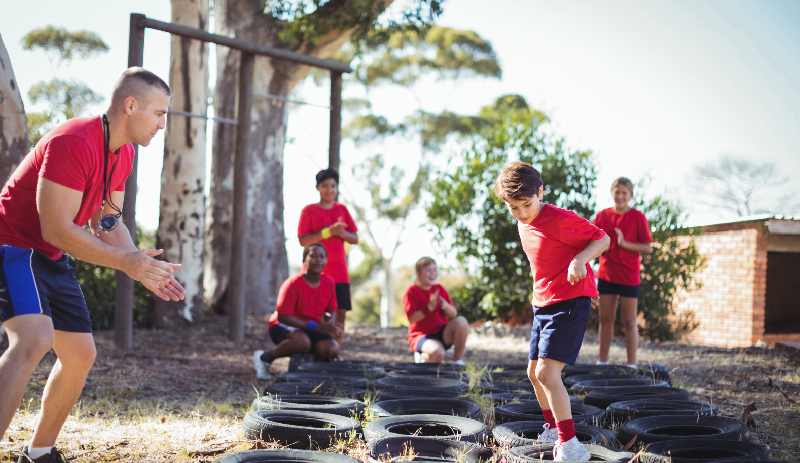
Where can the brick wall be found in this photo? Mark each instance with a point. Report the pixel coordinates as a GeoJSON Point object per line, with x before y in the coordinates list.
{"type": "Point", "coordinates": [730, 303]}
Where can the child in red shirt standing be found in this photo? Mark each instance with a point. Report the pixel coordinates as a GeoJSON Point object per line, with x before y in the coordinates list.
{"type": "Point", "coordinates": [618, 275]}
{"type": "Point", "coordinates": [298, 324]}
{"type": "Point", "coordinates": [329, 222]}
{"type": "Point", "coordinates": [433, 324]}
{"type": "Point", "coordinates": [559, 246]}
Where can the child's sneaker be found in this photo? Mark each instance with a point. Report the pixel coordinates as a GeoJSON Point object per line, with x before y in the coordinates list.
{"type": "Point", "coordinates": [549, 435]}
{"type": "Point", "coordinates": [262, 367]}
{"type": "Point", "coordinates": [571, 450]}
{"type": "Point", "coordinates": [55, 456]}
{"type": "Point", "coordinates": [418, 358]}
{"type": "Point", "coordinates": [459, 363]}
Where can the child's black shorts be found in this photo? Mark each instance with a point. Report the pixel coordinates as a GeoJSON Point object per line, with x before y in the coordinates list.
{"type": "Point", "coordinates": [558, 329]}
{"type": "Point", "coordinates": [32, 283]}
{"type": "Point", "coordinates": [606, 287]}
{"type": "Point", "coordinates": [343, 299]}
{"type": "Point", "coordinates": [437, 336]}
{"type": "Point", "coordinates": [278, 332]}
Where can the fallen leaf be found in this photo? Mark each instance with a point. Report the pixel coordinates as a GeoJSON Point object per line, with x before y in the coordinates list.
{"type": "Point", "coordinates": [630, 444]}
{"type": "Point", "coordinates": [258, 445]}
{"type": "Point", "coordinates": [747, 417]}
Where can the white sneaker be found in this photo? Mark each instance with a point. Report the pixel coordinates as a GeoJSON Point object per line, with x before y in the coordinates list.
{"type": "Point", "coordinates": [418, 358]}
{"type": "Point", "coordinates": [459, 362]}
{"type": "Point", "coordinates": [600, 363]}
{"type": "Point", "coordinates": [571, 450]}
{"type": "Point", "coordinates": [262, 368]}
{"type": "Point", "coordinates": [549, 435]}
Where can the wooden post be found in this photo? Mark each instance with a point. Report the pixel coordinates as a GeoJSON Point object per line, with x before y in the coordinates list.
{"type": "Point", "coordinates": [336, 120]}
{"type": "Point", "coordinates": [123, 314]}
{"type": "Point", "coordinates": [236, 288]}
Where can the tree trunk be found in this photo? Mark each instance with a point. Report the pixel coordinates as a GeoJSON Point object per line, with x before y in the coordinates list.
{"type": "Point", "coordinates": [13, 123]}
{"type": "Point", "coordinates": [387, 298]}
{"type": "Point", "coordinates": [267, 265]}
{"type": "Point", "coordinates": [181, 223]}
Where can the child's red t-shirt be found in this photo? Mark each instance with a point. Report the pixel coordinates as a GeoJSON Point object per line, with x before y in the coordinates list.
{"type": "Point", "coordinates": [618, 265]}
{"type": "Point", "coordinates": [70, 155]}
{"type": "Point", "coordinates": [551, 241]}
{"type": "Point", "coordinates": [416, 299]}
{"type": "Point", "coordinates": [298, 299]}
{"type": "Point", "coordinates": [313, 219]}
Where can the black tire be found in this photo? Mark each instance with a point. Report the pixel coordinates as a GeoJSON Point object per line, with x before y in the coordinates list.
{"type": "Point", "coordinates": [313, 403]}
{"type": "Point", "coordinates": [586, 368]}
{"type": "Point", "coordinates": [621, 412]}
{"type": "Point", "coordinates": [405, 382]}
{"type": "Point", "coordinates": [584, 387]}
{"type": "Point", "coordinates": [519, 433]}
{"type": "Point", "coordinates": [604, 397]}
{"type": "Point", "coordinates": [361, 371]}
{"type": "Point", "coordinates": [432, 426]}
{"type": "Point", "coordinates": [531, 411]}
{"type": "Point", "coordinates": [505, 376]}
{"type": "Point", "coordinates": [501, 398]}
{"type": "Point", "coordinates": [667, 427]}
{"type": "Point", "coordinates": [504, 367]}
{"type": "Point", "coordinates": [655, 371]}
{"type": "Point", "coordinates": [351, 382]}
{"type": "Point", "coordinates": [391, 394]}
{"type": "Point", "coordinates": [570, 380]}
{"type": "Point", "coordinates": [389, 448]}
{"type": "Point", "coordinates": [426, 406]}
{"type": "Point", "coordinates": [426, 373]}
{"type": "Point", "coordinates": [448, 367]}
{"type": "Point", "coordinates": [284, 455]}
{"type": "Point", "coordinates": [524, 387]}
{"type": "Point", "coordinates": [692, 451]}
{"type": "Point", "coordinates": [323, 388]}
{"type": "Point", "coordinates": [298, 429]}
{"type": "Point", "coordinates": [539, 453]}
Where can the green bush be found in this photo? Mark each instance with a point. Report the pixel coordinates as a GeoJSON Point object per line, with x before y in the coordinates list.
{"type": "Point", "coordinates": [99, 286]}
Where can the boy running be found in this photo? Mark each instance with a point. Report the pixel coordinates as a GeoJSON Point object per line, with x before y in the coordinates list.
{"type": "Point", "coordinates": [559, 246]}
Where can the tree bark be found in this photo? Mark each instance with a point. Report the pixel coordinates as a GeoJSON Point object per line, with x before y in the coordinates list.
{"type": "Point", "coordinates": [13, 123]}
{"type": "Point", "coordinates": [267, 265]}
{"type": "Point", "coordinates": [181, 225]}
{"type": "Point", "coordinates": [387, 299]}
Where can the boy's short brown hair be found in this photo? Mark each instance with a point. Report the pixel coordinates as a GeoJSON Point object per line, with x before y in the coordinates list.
{"type": "Point", "coordinates": [518, 180]}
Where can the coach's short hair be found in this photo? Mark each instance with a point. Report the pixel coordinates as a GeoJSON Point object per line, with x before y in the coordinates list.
{"type": "Point", "coordinates": [518, 180]}
{"type": "Point", "coordinates": [138, 83]}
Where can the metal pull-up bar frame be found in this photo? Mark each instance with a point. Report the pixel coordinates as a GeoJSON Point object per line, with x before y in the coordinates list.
{"type": "Point", "coordinates": [123, 324]}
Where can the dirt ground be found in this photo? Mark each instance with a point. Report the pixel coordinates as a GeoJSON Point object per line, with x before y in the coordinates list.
{"type": "Point", "coordinates": [181, 394]}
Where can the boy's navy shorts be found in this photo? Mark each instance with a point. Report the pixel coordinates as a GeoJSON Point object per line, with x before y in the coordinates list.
{"type": "Point", "coordinates": [31, 283]}
{"type": "Point", "coordinates": [278, 332]}
{"type": "Point", "coordinates": [437, 336]}
{"type": "Point", "coordinates": [558, 329]}
{"type": "Point", "coordinates": [343, 299]}
{"type": "Point", "coordinates": [606, 287]}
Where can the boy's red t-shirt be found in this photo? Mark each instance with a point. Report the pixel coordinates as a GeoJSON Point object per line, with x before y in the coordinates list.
{"type": "Point", "coordinates": [416, 299]}
{"type": "Point", "coordinates": [551, 241]}
{"type": "Point", "coordinates": [618, 265]}
{"type": "Point", "coordinates": [70, 155]}
{"type": "Point", "coordinates": [313, 219]}
{"type": "Point", "coordinates": [297, 299]}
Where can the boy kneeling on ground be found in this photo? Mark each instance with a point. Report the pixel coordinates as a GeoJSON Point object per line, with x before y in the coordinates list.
{"type": "Point", "coordinates": [298, 324]}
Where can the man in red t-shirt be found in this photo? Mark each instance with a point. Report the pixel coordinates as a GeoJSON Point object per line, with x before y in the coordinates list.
{"type": "Point", "coordinates": [75, 174]}
{"type": "Point", "coordinates": [298, 324]}
{"type": "Point", "coordinates": [433, 322]}
{"type": "Point", "coordinates": [329, 222]}
{"type": "Point", "coordinates": [559, 246]}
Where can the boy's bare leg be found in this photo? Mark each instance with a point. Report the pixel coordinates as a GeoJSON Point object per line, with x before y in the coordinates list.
{"type": "Point", "coordinates": [607, 314]}
{"type": "Point", "coordinates": [296, 342]}
{"type": "Point", "coordinates": [548, 373]}
{"type": "Point", "coordinates": [76, 353]}
{"type": "Point", "coordinates": [432, 351]}
{"type": "Point", "coordinates": [30, 337]}
{"type": "Point", "coordinates": [340, 319]}
{"type": "Point", "coordinates": [541, 397]}
{"type": "Point", "coordinates": [627, 309]}
{"type": "Point", "coordinates": [455, 334]}
{"type": "Point", "coordinates": [327, 350]}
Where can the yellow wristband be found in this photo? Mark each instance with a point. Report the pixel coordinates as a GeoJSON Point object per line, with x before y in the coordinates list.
{"type": "Point", "coordinates": [326, 233]}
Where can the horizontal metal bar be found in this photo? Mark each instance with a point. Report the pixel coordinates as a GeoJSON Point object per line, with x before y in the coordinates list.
{"type": "Point", "coordinates": [283, 98]}
{"type": "Point", "coordinates": [243, 45]}
{"type": "Point", "coordinates": [200, 116]}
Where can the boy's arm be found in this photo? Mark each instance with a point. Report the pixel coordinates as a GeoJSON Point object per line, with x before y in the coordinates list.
{"type": "Point", "coordinates": [448, 309]}
{"type": "Point", "coordinates": [641, 248]}
{"type": "Point", "coordinates": [322, 326]}
{"type": "Point", "coordinates": [577, 268]}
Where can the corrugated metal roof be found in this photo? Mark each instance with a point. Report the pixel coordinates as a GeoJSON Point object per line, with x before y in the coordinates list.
{"type": "Point", "coordinates": [749, 218]}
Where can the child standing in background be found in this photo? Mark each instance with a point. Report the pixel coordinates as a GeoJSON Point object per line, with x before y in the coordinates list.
{"type": "Point", "coordinates": [329, 222]}
{"type": "Point", "coordinates": [618, 276]}
{"type": "Point", "coordinates": [559, 246]}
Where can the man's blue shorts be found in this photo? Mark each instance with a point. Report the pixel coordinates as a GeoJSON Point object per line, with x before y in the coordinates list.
{"type": "Point", "coordinates": [606, 287]}
{"type": "Point", "coordinates": [278, 332]}
{"type": "Point", "coordinates": [558, 329]}
{"type": "Point", "coordinates": [31, 283]}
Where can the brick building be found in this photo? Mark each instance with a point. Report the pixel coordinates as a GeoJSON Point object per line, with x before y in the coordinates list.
{"type": "Point", "coordinates": [750, 284]}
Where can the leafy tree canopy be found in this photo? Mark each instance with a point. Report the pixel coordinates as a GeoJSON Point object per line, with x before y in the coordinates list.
{"type": "Point", "coordinates": [64, 44]}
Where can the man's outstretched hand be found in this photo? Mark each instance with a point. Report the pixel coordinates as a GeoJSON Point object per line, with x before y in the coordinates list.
{"type": "Point", "coordinates": [155, 275]}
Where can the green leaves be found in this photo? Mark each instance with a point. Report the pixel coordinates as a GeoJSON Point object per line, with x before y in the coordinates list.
{"type": "Point", "coordinates": [63, 44]}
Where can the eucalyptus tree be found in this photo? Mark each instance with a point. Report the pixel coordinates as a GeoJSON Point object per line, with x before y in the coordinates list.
{"type": "Point", "coordinates": [317, 28]}
{"type": "Point", "coordinates": [13, 127]}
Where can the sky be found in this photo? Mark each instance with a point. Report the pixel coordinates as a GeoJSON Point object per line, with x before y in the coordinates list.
{"type": "Point", "coordinates": [651, 87]}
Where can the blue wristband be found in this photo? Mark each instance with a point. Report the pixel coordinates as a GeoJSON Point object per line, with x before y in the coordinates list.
{"type": "Point", "coordinates": [311, 326]}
